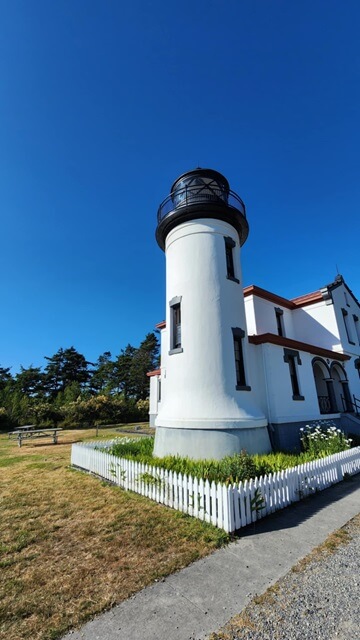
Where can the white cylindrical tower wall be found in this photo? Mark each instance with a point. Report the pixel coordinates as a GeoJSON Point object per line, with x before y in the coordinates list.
{"type": "Point", "coordinates": [202, 413]}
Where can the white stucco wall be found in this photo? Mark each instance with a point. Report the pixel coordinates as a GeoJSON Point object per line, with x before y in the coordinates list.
{"type": "Point", "coordinates": [317, 324]}
{"type": "Point", "coordinates": [282, 407]}
{"type": "Point", "coordinates": [201, 380]}
{"type": "Point", "coordinates": [262, 317]}
{"type": "Point", "coordinates": [257, 376]}
{"type": "Point", "coordinates": [343, 300]}
{"type": "Point", "coordinates": [211, 306]}
{"type": "Point", "coordinates": [250, 315]}
{"type": "Point", "coordinates": [153, 401]}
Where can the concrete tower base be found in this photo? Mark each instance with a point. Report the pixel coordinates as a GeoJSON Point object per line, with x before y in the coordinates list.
{"type": "Point", "coordinates": [210, 443]}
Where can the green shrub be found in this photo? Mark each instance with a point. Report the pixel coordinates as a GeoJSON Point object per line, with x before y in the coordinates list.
{"type": "Point", "coordinates": [230, 469]}
{"type": "Point", "coordinates": [240, 466]}
{"type": "Point", "coordinates": [133, 448]}
{"type": "Point", "coordinates": [5, 420]}
{"type": "Point", "coordinates": [103, 409]}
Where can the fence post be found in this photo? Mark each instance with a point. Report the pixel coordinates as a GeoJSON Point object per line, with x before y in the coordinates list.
{"type": "Point", "coordinates": [229, 520]}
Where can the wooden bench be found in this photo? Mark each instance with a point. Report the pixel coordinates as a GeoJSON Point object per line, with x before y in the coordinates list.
{"type": "Point", "coordinates": [29, 432]}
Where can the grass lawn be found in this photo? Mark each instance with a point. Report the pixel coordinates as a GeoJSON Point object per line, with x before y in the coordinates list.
{"type": "Point", "coordinates": [71, 546]}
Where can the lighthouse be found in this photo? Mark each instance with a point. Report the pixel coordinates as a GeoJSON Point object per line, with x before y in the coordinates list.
{"type": "Point", "coordinates": [208, 405]}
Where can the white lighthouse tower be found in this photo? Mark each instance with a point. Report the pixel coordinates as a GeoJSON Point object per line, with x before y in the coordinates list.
{"type": "Point", "coordinates": [207, 408]}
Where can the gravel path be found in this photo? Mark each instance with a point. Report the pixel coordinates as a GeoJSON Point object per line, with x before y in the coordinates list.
{"type": "Point", "coordinates": [318, 600]}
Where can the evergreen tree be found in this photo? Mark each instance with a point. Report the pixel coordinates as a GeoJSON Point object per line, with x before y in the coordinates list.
{"type": "Point", "coordinates": [102, 378]}
{"type": "Point", "coordinates": [145, 359]}
{"type": "Point", "coordinates": [65, 367]}
{"type": "Point", "coordinates": [122, 371]}
{"type": "Point", "coordinates": [30, 381]}
{"type": "Point", "coordinates": [5, 377]}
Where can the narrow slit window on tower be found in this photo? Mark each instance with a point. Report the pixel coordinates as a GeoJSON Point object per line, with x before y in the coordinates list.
{"type": "Point", "coordinates": [229, 253]}
{"type": "Point", "coordinates": [175, 326]}
{"type": "Point", "coordinates": [238, 335]}
{"type": "Point", "coordinates": [293, 359]}
{"type": "Point", "coordinates": [280, 321]}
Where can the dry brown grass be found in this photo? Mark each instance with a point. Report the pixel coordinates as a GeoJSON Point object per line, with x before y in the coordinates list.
{"type": "Point", "coordinates": [71, 546]}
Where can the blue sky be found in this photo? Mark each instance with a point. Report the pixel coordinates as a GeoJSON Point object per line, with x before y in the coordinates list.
{"type": "Point", "coordinates": [104, 104]}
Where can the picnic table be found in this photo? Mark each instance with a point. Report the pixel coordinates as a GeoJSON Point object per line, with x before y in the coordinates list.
{"type": "Point", "coordinates": [30, 431]}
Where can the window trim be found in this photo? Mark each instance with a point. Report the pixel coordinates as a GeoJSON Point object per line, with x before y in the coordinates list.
{"type": "Point", "coordinates": [238, 337]}
{"type": "Point", "coordinates": [230, 244]}
{"type": "Point", "coordinates": [174, 304]}
{"type": "Point", "coordinates": [292, 357]}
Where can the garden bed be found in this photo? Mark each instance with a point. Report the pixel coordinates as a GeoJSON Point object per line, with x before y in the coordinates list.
{"type": "Point", "coordinates": [220, 497]}
{"type": "Point", "coordinates": [318, 440]}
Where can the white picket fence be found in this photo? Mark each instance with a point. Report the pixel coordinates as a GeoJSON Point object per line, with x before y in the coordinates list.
{"type": "Point", "coordinates": [228, 507]}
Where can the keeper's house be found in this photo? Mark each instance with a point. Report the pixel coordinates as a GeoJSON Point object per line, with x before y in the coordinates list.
{"type": "Point", "coordinates": [255, 367]}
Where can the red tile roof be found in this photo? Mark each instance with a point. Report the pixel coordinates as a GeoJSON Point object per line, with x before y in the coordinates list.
{"type": "Point", "coordinates": [267, 295]}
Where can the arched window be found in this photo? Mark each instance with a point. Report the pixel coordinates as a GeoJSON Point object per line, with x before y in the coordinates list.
{"type": "Point", "coordinates": [324, 386]}
{"type": "Point", "coordinates": [341, 387]}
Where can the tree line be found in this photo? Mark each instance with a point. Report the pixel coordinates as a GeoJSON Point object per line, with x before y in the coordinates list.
{"type": "Point", "coordinates": [71, 391]}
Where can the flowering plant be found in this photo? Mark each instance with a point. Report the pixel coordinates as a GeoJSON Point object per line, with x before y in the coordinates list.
{"type": "Point", "coordinates": [323, 438]}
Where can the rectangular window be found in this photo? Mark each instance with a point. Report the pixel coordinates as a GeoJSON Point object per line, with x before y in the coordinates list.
{"type": "Point", "coordinates": [238, 335]}
{"type": "Point", "coordinates": [159, 390]}
{"type": "Point", "coordinates": [293, 359]}
{"type": "Point", "coordinates": [293, 376]}
{"type": "Point", "coordinates": [229, 253]}
{"type": "Point", "coordinates": [176, 313]}
{"type": "Point", "coordinates": [280, 321]}
{"type": "Point", "coordinates": [357, 327]}
{"type": "Point", "coordinates": [347, 326]}
{"type": "Point", "coordinates": [175, 326]}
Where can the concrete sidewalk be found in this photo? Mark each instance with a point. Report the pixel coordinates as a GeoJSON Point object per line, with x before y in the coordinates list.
{"type": "Point", "coordinates": [199, 599]}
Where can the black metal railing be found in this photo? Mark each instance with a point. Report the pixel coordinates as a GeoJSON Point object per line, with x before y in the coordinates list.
{"type": "Point", "coordinates": [356, 405]}
{"type": "Point", "coordinates": [344, 404]}
{"type": "Point", "coordinates": [351, 406]}
{"type": "Point", "coordinates": [325, 404]}
{"type": "Point", "coordinates": [195, 194]}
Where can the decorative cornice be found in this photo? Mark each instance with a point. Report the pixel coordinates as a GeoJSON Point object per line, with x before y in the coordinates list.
{"type": "Point", "coordinates": [272, 338]}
